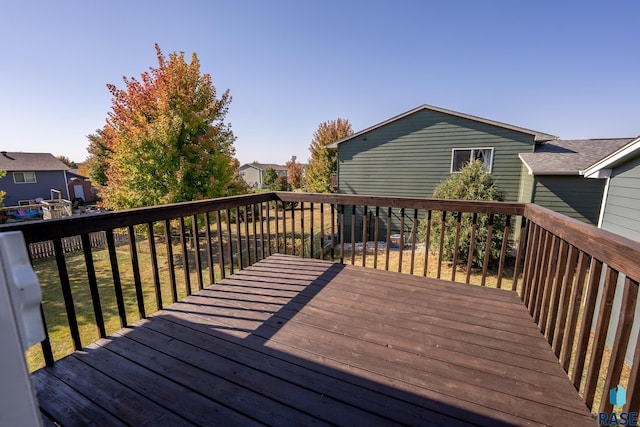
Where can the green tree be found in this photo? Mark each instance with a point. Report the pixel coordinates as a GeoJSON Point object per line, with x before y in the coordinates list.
{"type": "Point", "coordinates": [2, 193]}
{"type": "Point", "coordinates": [269, 177]}
{"type": "Point", "coordinates": [324, 161]}
{"type": "Point", "coordinates": [165, 139]}
{"type": "Point", "coordinates": [473, 182]}
{"type": "Point", "coordinates": [67, 161]}
{"type": "Point", "coordinates": [95, 167]}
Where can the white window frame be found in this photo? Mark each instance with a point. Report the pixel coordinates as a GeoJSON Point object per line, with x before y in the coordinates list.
{"type": "Point", "coordinates": [472, 155]}
{"type": "Point", "coordinates": [24, 178]}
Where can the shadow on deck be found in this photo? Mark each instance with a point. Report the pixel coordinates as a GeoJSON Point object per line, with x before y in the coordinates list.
{"type": "Point", "coordinates": [302, 341]}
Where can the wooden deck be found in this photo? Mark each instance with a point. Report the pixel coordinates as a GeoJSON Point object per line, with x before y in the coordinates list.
{"type": "Point", "coordinates": [292, 341]}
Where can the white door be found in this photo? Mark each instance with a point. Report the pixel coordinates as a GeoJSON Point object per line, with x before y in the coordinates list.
{"type": "Point", "coordinates": [78, 190]}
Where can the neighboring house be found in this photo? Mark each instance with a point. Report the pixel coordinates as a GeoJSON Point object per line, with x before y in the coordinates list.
{"type": "Point", "coordinates": [620, 214]}
{"type": "Point", "coordinates": [80, 187]}
{"type": "Point", "coordinates": [410, 154]}
{"type": "Point", "coordinates": [554, 179]}
{"type": "Point", "coordinates": [620, 207]}
{"type": "Point", "coordinates": [252, 173]}
{"type": "Point", "coordinates": [31, 176]}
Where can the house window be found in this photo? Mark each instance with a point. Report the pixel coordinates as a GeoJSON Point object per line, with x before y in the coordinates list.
{"type": "Point", "coordinates": [24, 177]}
{"type": "Point", "coordinates": [461, 156]}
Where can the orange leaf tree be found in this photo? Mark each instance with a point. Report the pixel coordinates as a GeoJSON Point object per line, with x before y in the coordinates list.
{"type": "Point", "coordinates": [165, 139]}
{"type": "Point", "coordinates": [324, 161]}
{"type": "Point", "coordinates": [294, 173]}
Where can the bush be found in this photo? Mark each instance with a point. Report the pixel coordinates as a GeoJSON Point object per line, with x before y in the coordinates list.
{"type": "Point", "coordinates": [472, 183]}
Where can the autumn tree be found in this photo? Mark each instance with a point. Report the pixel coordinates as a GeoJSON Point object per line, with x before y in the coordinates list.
{"type": "Point", "coordinates": [324, 161]}
{"type": "Point", "coordinates": [165, 139]}
{"type": "Point", "coordinates": [67, 161]}
{"type": "Point", "coordinates": [294, 173]}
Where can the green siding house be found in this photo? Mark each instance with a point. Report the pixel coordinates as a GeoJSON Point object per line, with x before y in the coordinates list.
{"type": "Point", "coordinates": [620, 207]}
{"type": "Point", "coordinates": [410, 154]}
{"type": "Point", "coordinates": [555, 181]}
{"type": "Point", "coordinates": [620, 214]}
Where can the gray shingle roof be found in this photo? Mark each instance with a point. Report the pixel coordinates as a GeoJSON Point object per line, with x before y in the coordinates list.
{"type": "Point", "coordinates": [569, 157]}
{"type": "Point", "coordinates": [16, 161]}
{"type": "Point", "coordinates": [264, 166]}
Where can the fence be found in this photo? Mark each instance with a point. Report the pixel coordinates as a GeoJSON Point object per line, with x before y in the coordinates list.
{"type": "Point", "coordinates": [98, 240]}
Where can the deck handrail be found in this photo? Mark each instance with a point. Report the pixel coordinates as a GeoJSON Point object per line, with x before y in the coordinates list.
{"type": "Point", "coordinates": [556, 264]}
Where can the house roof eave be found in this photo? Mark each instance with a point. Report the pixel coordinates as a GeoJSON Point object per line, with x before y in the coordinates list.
{"type": "Point", "coordinates": [612, 159]}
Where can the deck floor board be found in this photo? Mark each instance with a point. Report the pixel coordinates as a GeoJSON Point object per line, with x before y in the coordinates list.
{"type": "Point", "coordinates": [299, 341]}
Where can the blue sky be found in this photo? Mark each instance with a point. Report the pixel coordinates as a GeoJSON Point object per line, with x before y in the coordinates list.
{"type": "Point", "coordinates": [568, 68]}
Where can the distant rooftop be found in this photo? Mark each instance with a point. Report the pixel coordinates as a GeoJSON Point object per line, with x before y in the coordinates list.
{"type": "Point", "coordinates": [569, 157]}
{"type": "Point", "coordinates": [263, 166]}
{"type": "Point", "coordinates": [17, 161]}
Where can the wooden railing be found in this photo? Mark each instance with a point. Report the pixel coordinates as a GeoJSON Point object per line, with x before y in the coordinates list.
{"type": "Point", "coordinates": [570, 269]}
{"type": "Point", "coordinates": [554, 263]}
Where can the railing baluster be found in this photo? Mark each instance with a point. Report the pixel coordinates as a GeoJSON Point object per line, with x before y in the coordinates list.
{"type": "Point", "coordinates": [364, 236]}
{"type": "Point", "coordinates": [503, 251]}
{"type": "Point", "coordinates": [45, 344]}
{"type": "Point", "coordinates": [195, 238]}
{"type": "Point", "coordinates": [341, 219]}
{"type": "Point", "coordinates": [472, 246]}
{"type": "Point", "coordinates": [154, 265]}
{"type": "Point", "coordinates": [353, 234]}
{"type": "Point", "coordinates": [456, 246]}
{"type": "Point", "coordinates": [548, 283]}
{"type": "Point", "coordinates": [293, 229]}
{"type": "Point", "coordinates": [414, 231]}
{"type": "Point", "coordinates": [229, 242]}
{"type": "Point", "coordinates": [386, 260]}
{"type": "Point", "coordinates": [600, 337]}
{"type": "Point", "coordinates": [239, 239]}
{"type": "Point", "coordinates": [565, 297]}
{"type": "Point", "coordinates": [557, 289]}
{"type": "Point", "coordinates": [633, 386]}
{"type": "Point", "coordinates": [284, 228]}
{"type": "Point", "coordinates": [536, 285]}
{"type": "Point", "coordinates": [311, 242]}
{"type": "Point", "coordinates": [427, 244]}
{"type": "Point", "coordinates": [621, 341]}
{"type": "Point", "coordinates": [261, 215]}
{"type": "Point", "coordinates": [401, 249]}
{"type": "Point", "coordinates": [254, 221]}
{"type": "Point", "coordinates": [376, 236]}
{"type": "Point", "coordinates": [522, 241]}
{"type": "Point", "coordinates": [269, 252]}
{"type": "Point", "coordinates": [333, 232]}
{"type": "Point", "coordinates": [247, 237]}
{"type": "Point", "coordinates": [115, 274]}
{"type": "Point", "coordinates": [93, 284]}
{"type": "Point", "coordinates": [302, 233]}
{"type": "Point", "coordinates": [275, 210]}
{"type": "Point", "coordinates": [322, 231]}
{"type": "Point", "coordinates": [221, 255]}
{"type": "Point", "coordinates": [529, 258]}
{"type": "Point", "coordinates": [443, 225]}
{"type": "Point", "coordinates": [575, 303]}
{"type": "Point", "coordinates": [208, 238]}
{"type": "Point", "coordinates": [487, 250]}
{"type": "Point", "coordinates": [587, 320]}
{"type": "Point", "coordinates": [66, 293]}
{"type": "Point", "coordinates": [135, 266]}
